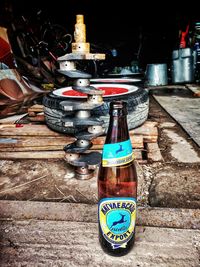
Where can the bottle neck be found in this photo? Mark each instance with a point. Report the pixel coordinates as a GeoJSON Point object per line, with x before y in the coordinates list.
{"type": "Point", "coordinates": [117, 130]}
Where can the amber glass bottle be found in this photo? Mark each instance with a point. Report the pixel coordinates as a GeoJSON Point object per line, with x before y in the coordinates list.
{"type": "Point", "coordinates": [117, 186]}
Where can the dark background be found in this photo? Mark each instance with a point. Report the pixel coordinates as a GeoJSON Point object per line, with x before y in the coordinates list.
{"type": "Point", "coordinates": [125, 25]}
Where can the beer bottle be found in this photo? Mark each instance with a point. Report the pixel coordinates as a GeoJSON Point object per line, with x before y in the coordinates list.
{"type": "Point", "coordinates": [117, 186]}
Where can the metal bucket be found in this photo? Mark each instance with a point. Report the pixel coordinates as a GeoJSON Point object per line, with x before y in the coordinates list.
{"type": "Point", "coordinates": [156, 74]}
{"type": "Point", "coordinates": [183, 65]}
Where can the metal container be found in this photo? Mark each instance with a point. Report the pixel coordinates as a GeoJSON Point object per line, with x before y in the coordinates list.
{"type": "Point", "coordinates": [156, 75]}
{"type": "Point", "coordinates": [183, 65]}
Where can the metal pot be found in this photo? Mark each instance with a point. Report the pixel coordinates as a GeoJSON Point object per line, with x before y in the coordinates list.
{"type": "Point", "coordinates": [156, 74]}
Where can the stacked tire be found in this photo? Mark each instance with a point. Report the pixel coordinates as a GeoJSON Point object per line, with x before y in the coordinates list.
{"type": "Point", "coordinates": [137, 105]}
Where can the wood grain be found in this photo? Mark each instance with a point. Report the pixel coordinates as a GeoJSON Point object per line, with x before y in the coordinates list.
{"type": "Point", "coordinates": [153, 152]}
{"type": "Point", "coordinates": [147, 129]}
{"type": "Point", "coordinates": [146, 216]}
{"type": "Point", "coordinates": [63, 243]}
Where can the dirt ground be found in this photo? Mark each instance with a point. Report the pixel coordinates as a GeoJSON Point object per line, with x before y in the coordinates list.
{"type": "Point", "coordinates": [170, 183]}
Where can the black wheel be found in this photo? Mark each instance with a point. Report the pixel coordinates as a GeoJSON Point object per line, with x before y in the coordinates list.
{"type": "Point", "coordinates": [137, 104]}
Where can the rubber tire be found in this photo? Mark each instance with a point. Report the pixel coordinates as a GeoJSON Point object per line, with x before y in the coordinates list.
{"type": "Point", "coordinates": [137, 106]}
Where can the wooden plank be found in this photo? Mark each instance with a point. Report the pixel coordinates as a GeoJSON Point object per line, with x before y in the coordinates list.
{"type": "Point", "coordinates": [32, 148]}
{"type": "Point", "coordinates": [31, 113]}
{"type": "Point", "coordinates": [12, 119]}
{"type": "Point", "coordinates": [151, 139]}
{"type": "Point", "coordinates": [136, 141]}
{"type": "Point", "coordinates": [39, 142]}
{"type": "Point", "coordinates": [146, 216]}
{"type": "Point", "coordinates": [147, 129]}
{"type": "Point", "coordinates": [7, 126]}
{"type": "Point", "coordinates": [37, 118]}
{"type": "Point", "coordinates": [53, 154]}
{"type": "Point", "coordinates": [28, 130]}
{"type": "Point", "coordinates": [153, 152]}
{"type": "Point", "coordinates": [138, 154]}
{"type": "Point", "coordinates": [33, 155]}
{"type": "Point", "coordinates": [35, 141]}
{"type": "Point", "coordinates": [185, 110]}
{"type": "Point", "coordinates": [36, 108]}
{"type": "Point", "coordinates": [55, 243]}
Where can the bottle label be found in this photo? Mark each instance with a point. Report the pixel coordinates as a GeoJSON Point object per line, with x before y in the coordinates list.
{"type": "Point", "coordinates": [117, 218]}
{"type": "Point", "coordinates": [117, 154]}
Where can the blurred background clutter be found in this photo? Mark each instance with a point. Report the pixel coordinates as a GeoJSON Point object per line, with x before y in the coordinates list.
{"type": "Point", "coordinates": [34, 35]}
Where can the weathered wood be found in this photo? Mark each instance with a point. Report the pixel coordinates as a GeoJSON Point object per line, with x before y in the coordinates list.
{"type": "Point", "coordinates": [39, 140]}
{"type": "Point", "coordinates": [7, 126]}
{"type": "Point", "coordinates": [36, 108]}
{"type": "Point", "coordinates": [147, 129]}
{"type": "Point", "coordinates": [32, 113]}
{"type": "Point", "coordinates": [153, 152]}
{"type": "Point", "coordinates": [146, 216]}
{"type": "Point", "coordinates": [36, 113]}
{"type": "Point", "coordinates": [35, 141]}
{"type": "Point", "coordinates": [31, 148]}
{"type": "Point", "coordinates": [151, 139]}
{"type": "Point", "coordinates": [12, 119]}
{"type": "Point", "coordinates": [136, 141]}
{"type": "Point", "coordinates": [138, 154]}
{"type": "Point", "coordinates": [28, 130]}
{"type": "Point", "coordinates": [55, 243]}
{"type": "Point", "coordinates": [33, 155]}
{"type": "Point", "coordinates": [37, 118]}
{"type": "Point", "coordinates": [59, 142]}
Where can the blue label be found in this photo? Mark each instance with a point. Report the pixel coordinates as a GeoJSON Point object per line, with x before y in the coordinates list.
{"type": "Point", "coordinates": [117, 218]}
{"type": "Point", "coordinates": [117, 154]}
